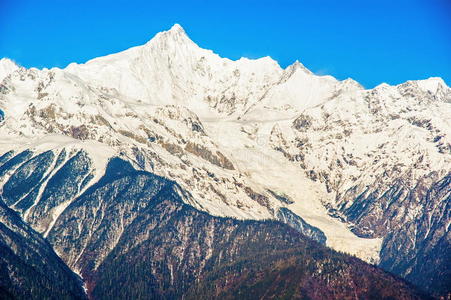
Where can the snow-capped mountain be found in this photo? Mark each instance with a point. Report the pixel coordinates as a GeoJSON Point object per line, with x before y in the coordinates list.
{"type": "Point", "coordinates": [364, 171]}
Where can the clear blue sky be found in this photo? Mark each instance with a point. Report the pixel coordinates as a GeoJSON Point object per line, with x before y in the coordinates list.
{"type": "Point", "coordinates": [370, 41]}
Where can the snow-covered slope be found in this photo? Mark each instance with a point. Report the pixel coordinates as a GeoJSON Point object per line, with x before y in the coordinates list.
{"type": "Point", "coordinates": [245, 138]}
{"type": "Point", "coordinates": [182, 73]}
{"type": "Point", "coordinates": [7, 66]}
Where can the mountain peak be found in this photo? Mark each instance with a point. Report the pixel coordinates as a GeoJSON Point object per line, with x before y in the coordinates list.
{"type": "Point", "coordinates": [6, 62]}
{"type": "Point", "coordinates": [177, 28]}
{"type": "Point", "coordinates": [297, 65]}
{"type": "Point", "coordinates": [176, 34]}
{"type": "Point", "coordinates": [7, 66]}
{"type": "Point", "coordinates": [176, 31]}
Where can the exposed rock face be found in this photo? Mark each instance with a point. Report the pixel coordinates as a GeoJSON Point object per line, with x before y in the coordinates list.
{"type": "Point", "coordinates": [217, 159]}
{"type": "Point", "coordinates": [288, 217]}
{"type": "Point", "coordinates": [423, 238]}
{"type": "Point", "coordinates": [402, 197]}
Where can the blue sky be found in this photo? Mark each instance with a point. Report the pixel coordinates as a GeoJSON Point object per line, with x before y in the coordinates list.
{"type": "Point", "coordinates": [370, 41]}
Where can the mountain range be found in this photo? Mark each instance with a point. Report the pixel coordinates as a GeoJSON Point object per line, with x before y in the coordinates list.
{"type": "Point", "coordinates": [169, 171]}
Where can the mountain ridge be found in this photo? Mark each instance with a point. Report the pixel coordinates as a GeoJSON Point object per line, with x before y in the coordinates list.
{"type": "Point", "coordinates": [242, 135]}
{"type": "Point", "coordinates": [106, 233]}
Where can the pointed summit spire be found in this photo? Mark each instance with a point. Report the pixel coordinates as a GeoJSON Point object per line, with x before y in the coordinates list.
{"type": "Point", "coordinates": [291, 69]}
{"type": "Point", "coordinates": [174, 36]}
{"type": "Point", "coordinates": [297, 65]}
{"type": "Point", "coordinates": [177, 28]}
{"type": "Point", "coordinates": [176, 31]}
